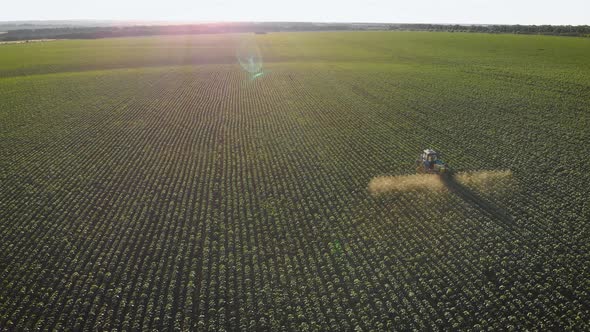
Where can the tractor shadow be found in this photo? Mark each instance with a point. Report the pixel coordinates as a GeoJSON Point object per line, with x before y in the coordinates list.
{"type": "Point", "coordinates": [471, 197]}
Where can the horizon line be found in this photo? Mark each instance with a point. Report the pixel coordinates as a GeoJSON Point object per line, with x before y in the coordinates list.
{"type": "Point", "coordinates": [188, 22]}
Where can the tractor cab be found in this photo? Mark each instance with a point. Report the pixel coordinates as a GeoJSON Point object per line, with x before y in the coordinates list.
{"type": "Point", "coordinates": [430, 162]}
{"type": "Point", "coordinates": [430, 155]}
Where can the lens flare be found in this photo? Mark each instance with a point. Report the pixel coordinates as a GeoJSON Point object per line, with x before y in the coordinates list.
{"type": "Point", "coordinates": [250, 57]}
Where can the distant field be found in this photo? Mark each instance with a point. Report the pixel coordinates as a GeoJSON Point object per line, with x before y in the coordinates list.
{"type": "Point", "coordinates": [151, 183]}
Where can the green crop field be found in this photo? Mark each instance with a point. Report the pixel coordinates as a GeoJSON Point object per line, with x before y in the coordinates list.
{"type": "Point", "coordinates": [152, 183]}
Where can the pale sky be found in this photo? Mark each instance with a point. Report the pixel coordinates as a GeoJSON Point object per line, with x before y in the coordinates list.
{"type": "Point", "coordinates": [574, 12]}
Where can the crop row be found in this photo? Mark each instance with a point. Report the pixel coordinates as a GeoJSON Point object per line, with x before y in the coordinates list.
{"type": "Point", "coordinates": [194, 199]}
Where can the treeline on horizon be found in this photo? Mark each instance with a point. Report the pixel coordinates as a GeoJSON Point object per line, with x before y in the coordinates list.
{"type": "Point", "coordinates": [556, 30]}
{"type": "Point", "coordinates": [127, 31]}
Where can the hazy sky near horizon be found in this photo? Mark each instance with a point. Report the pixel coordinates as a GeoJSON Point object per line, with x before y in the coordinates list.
{"type": "Point", "coordinates": [575, 12]}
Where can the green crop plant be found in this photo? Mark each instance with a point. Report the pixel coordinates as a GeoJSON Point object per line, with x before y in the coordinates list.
{"type": "Point", "coordinates": [151, 183]}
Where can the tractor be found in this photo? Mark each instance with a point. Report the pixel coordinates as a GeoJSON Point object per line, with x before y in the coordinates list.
{"type": "Point", "coordinates": [430, 162]}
